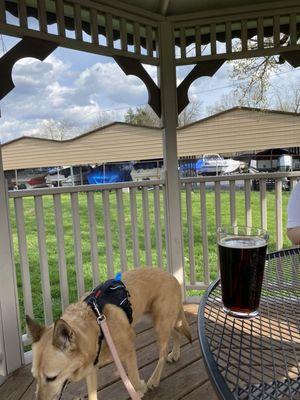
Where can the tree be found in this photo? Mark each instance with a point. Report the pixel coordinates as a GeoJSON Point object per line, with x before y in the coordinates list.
{"type": "Point", "coordinates": [226, 102]}
{"type": "Point", "coordinates": [58, 130]}
{"type": "Point", "coordinates": [287, 98]}
{"type": "Point", "coordinates": [144, 115]}
{"type": "Point", "coordinates": [252, 75]}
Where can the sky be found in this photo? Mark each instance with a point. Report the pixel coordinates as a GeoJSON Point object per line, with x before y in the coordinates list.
{"type": "Point", "coordinates": [83, 89]}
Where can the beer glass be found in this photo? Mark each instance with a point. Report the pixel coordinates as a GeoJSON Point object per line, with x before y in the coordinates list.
{"type": "Point", "coordinates": [242, 253]}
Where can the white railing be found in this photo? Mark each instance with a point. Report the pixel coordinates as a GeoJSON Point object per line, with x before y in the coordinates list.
{"type": "Point", "coordinates": [232, 201]}
{"type": "Point", "coordinates": [68, 239]}
{"type": "Point", "coordinates": [83, 234]}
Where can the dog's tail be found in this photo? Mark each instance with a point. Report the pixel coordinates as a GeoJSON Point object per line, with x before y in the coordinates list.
{"type": "Point", "coordinates": [183, 326]}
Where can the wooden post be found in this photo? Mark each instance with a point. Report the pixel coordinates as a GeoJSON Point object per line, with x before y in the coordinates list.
{"type": "Point", "coordinates": [167, 78]}
{"type": "Point", "coordinates": [10, 338]}
{"type": "Point", "coordinates": [72, 175]}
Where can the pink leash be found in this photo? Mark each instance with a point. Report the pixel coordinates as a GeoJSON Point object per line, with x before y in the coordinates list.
{"type": "Point", "coordinates": [128, 385]}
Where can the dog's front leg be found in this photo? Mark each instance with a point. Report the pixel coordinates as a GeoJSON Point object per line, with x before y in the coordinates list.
{"type": "Point", "coordinates": [133, 372]}
{"type": "Point", "coordinates": [91, 381]}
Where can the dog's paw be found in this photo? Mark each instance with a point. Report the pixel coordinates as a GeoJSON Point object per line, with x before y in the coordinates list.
{"type": "Point", "coordinates": [173, 357]}
{"type": "Point", "coordinates": [142, 388]}
{"type": "Point", "coordinates": [152, 383]}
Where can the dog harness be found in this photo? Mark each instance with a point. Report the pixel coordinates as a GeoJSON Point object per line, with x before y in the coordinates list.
{"type": "Point", "coordinates": [114, 292]}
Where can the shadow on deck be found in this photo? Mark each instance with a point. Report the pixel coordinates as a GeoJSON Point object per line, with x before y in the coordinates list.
{"type": "Point", "coordinates": [186, 379]}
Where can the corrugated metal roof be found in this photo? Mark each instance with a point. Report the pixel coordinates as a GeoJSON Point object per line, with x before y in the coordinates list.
{"type": "Point", "coordinates": [235, 130]}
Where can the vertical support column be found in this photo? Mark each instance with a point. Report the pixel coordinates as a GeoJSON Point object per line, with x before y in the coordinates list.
{"type": "Point", "coordinates": [167, 79]}
{"type": "Point", "coordinates": [10, 339]}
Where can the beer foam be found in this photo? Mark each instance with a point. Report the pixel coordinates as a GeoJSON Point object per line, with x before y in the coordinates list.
{"type": "Point", "coordinates": [242, 242]}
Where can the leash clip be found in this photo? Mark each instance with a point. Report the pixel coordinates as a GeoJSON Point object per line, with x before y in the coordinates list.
{"type": "Point", "coordinates": [100, 317]}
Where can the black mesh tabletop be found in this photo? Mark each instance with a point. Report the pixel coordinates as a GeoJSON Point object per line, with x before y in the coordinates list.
{"type": "Point", "coordinates": [258, 358]}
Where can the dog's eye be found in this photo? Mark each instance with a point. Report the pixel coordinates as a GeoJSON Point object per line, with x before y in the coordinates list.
{"type": "Point", "coordinates": [50, 379]}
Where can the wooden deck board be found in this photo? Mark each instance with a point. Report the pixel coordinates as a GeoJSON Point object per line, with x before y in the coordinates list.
{"type": "Point", "coordinates": [184, 380]}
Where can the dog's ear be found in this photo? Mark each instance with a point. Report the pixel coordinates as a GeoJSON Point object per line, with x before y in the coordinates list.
{"type": "Point", "coordinates": [63, 336]}
{"type": "Point", "coordinates": [34, 328]}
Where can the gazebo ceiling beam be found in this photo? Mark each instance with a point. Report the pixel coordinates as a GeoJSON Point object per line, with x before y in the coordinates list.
{"type": "Point", "coordinates": [27, 47]}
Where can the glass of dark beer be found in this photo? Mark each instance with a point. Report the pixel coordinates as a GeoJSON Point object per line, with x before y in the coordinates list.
{"type": "Point", "coordinates": [242, 253]}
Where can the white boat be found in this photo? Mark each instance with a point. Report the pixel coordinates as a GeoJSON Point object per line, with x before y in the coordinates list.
{"type": "Point", "coordinates": [214, 164]}
{"type": "Point", "coordinates": [147, 171]}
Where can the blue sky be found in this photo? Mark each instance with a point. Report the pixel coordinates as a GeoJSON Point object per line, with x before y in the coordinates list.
{"type": "Point", "coordinates": [82, 88]}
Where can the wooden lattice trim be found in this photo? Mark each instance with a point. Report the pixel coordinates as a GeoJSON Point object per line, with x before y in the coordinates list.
{"type": "Point", "coordinates": [115, 31]}
{"type": "Point", "coordinates": [235, 37]}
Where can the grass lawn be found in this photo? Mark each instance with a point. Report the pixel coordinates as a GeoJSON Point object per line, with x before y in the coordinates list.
{"type": "Point", "coordinates": [32, 244]}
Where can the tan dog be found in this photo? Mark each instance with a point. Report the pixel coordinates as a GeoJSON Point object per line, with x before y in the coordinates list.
{"type": "Point", "coordinates": [66, 350]}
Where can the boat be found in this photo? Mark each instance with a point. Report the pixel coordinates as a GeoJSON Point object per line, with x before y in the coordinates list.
{"type": "Point", "coordinates": [109, 173]}
{"type": "Point", "coordinates": [214, 164]}
{"type": "Point", "coordinates": [29, 179]}
{"type": "Point", "coordinates": [149, 170]}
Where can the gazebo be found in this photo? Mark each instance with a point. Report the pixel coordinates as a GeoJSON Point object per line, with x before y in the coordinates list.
{"type": "Point", "coordinates": [166, 34]}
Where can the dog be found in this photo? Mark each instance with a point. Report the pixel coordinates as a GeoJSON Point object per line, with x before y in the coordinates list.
{"type": "Point", "coordinates": [66, 350]}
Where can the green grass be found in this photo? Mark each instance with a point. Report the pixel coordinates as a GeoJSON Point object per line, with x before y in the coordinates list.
{"type": "Point", "coordinates": [32, 243]}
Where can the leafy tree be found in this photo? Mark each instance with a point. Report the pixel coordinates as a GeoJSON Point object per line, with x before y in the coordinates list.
{"type": "Point", "coordinates": [144, 115]}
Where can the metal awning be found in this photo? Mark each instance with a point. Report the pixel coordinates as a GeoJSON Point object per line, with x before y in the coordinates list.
{"type": "Point", "coordinates": [232, 131]}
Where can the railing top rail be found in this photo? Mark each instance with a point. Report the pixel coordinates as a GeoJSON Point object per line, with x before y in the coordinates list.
{"type": "Point", "coordinates": [242, 177]}
{"type": "Point", "coordinates": [82, 188]}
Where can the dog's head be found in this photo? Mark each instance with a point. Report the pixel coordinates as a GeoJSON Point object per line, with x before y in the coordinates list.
{"type": "Point", "coordinates": [56, 357]}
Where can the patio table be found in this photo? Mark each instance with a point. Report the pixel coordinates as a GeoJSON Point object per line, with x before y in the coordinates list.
{"type": "Point", "coordinates": [258, 358]}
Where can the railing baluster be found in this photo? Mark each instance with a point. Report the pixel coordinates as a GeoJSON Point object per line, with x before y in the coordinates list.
{"type": "Point", "coordinates": [22, 13]}
{"type": "Point", "coordinates": [276, 30]}
{"type": "Point", "coordinates": [244, 35]}
{"type": "Point", "coordinates": [218, 204]}
{"type": "Point", "coordinates": [107, 233]}
{"type": "Point", "coordinates": [134, 228]}
{"type": "Point", "coordinates": [94, 26]}
{"type": "Point", "coordinates": [278, 217]}
{"type": "Point", "coordinates": [77, 244]}
{"type": "Point", "coordinates": [293, 30]}
{"type": "Point", "coordinates": [213, 39]}
{"type": "Point", "coordinates": [123, 33]}
{"type": "Point", "coordinates": [78, 22]}
{"type": "Point", "coordinates": [149, 34]}
{"type": "Point", "coordinates": [44, 268]}
{"type": "Point", "coordinates": [93, 237]}
{"type": "Point", "coordinates": [182, 43]}
{"type": "Point", "coordinates": [260, 33]}
{"type": "Point", "coordinates": [248, 211]}
{"type": "Point", "coordinates": [198, 40]}
{"type": "Point", "coordinates": [137, 38]}
{"type": "Point", "coordinates": [228, 35]}
{"type": "Point", "coordinates": [121, 229]}
{"type": "Point", "coordinates": [189, 215]}
{"type": "Point", "coordinates": [204, 233]}
{"type": "Point", "coordinates": [24, 264]}
{"type": "Point", "coordinates": [232, 203]}
{"type": "Point", "coordinates": [263, 203]}
{"type": "Point", "coordinates": [60, 18]}
{"type": "Point", "coordinates": [42, 15]}
{"type": "Point", "coordinates": [60, 241]}
{"type": "Point", "coordinates": [147, 234]}
{"type": "Point", "coordinates": [158, 235]}
{"type": "Point", "coordinates": [2, 11]}
{"type": "Point", "coordinates": [109, 30]}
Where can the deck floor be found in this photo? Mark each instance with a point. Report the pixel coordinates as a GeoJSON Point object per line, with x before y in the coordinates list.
{"type": "Point", "coordinates": [187, 379]}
